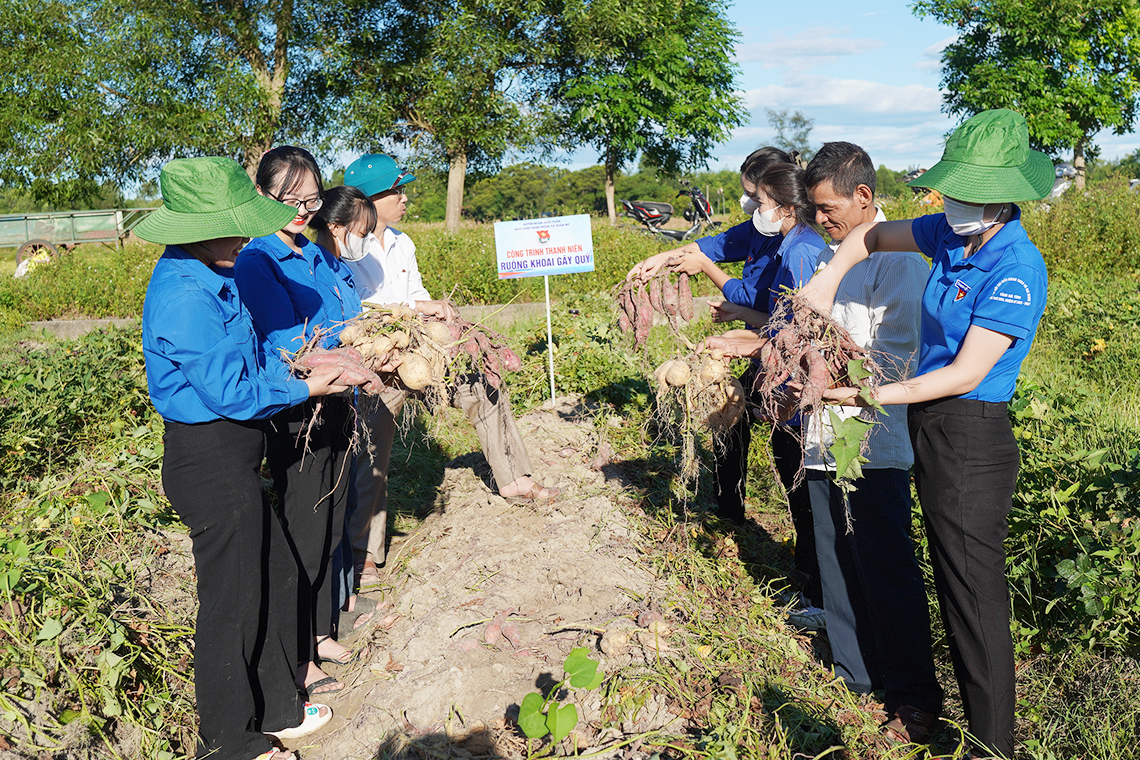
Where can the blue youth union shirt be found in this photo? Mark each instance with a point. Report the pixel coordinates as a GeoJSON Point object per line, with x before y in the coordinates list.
{"type": "Point", "coordinates": [203, 360]}
{"type": "Point", "coordinates": [290, 294]}
{"type": "Point", "coordinates": [1001, 287]}
{"type": "Point", "coordinates": [759, 254]}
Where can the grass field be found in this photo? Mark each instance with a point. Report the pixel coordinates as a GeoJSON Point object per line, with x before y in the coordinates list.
{"type": "Point", "coordinates": [94, 664]}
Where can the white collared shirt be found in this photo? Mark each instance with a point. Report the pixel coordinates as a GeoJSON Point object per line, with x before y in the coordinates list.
{"type": "Point", "coordinates": [389, 273]}
{"type": "Point", "coordinates": [879, 301]}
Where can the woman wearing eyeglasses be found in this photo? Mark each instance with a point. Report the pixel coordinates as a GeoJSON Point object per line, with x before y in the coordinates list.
{"type": "Point", "coordinates": [291, 287]}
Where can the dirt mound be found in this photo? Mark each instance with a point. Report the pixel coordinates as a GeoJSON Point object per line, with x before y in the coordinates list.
{"type": "Point", "coordinates": [551, 577]}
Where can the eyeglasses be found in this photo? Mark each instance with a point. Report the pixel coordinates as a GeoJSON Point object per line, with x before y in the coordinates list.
{"type": "Point", "coordinates": [310, 205]}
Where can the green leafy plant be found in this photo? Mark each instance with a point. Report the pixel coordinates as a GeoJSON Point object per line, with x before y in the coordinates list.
{"type": "Point", "coordinates": [539, 716]}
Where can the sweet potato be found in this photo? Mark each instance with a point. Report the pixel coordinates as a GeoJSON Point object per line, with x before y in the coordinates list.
{"type": "Point", "coordinates": [669, 297]}
{"type": "Point", "coordinates": [655, 293]}
{"type": "Point", "coordinates": [414, 372]}
{"type": "Point", "coordinates": [644, 315]}
{"type": "Point", "coordinates": [684, 297]}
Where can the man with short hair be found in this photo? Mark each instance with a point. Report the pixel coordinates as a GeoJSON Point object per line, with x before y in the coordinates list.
{"type": "Point", "coordinates": [878, 620]}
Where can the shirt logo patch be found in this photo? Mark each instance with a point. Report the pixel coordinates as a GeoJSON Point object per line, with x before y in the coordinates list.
{"type": "Point", "coordinates": [1012, 290]}
{"type": "Point", "coordinates": [963, 289]}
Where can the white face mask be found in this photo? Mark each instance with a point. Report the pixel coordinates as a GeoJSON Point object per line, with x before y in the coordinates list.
{"type": "Point", "coordinates": [352, 249]}
{"type": "Point", "coordinates": [967, 220]}
{"type": "Point", "coordinates": [748, 205]}
{"type": "Point", "coordinates": [764, 222]}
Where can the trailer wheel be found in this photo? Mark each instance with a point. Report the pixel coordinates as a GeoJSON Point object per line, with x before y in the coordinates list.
{"type": "Point", "coordinates": [32, 247]}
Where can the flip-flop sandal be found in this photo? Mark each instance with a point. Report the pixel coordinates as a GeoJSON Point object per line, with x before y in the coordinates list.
{"type": "Point", "coordinates": [314, 721]}
{"type": "Point", "coordinates": [532, 496]}
{"type": "Point", "coordinates": [347, 659]}
{"type": "Point", "coordinates": [351, 621]}
{"type": "Point", "coordinates": [311, 689]}
{"type": "Point", "coordinates": [366, 577]}
{"type": "Point", "coordinates": [275, 754]}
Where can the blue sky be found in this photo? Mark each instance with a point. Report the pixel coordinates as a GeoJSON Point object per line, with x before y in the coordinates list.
{"type": "Point", "coordinates": [866, 72]}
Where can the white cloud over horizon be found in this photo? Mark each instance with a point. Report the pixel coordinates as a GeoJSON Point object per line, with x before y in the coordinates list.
{"type": "Point", "coordinates": [860, 95]}
{"type": "Point", "coordinates": [806, 49]}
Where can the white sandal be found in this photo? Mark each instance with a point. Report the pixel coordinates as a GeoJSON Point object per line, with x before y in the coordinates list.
{"type": "Point", "coordinates": [314, 721]}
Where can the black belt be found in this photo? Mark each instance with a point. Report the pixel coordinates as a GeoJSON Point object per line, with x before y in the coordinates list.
{"type": "Point", "coordinates": [963, 407]}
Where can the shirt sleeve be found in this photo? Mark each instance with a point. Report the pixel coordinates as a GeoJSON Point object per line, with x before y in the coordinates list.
{"type": "Point", "coordinates": [1013, 301]}
{"type": "Point", "coordinates": [217, 357]}
{"type": "Point", "coordinates": [416, 289]}
{"type": "Point", "coordinates": [735, 291]}
{"type": "Point", "coordinates": [270, 305]}
{"type": "Point", "coordinates": [895, 306]}
{"type": "Point", "coordinates": [929, 231]}
{"type": "Point", "coordinates": [713, 246]}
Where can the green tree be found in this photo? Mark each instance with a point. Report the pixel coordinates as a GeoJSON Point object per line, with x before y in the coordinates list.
{"type": "Point", "coordinates": [793, 132]}
{"type": "Point", "coordinates": [96, 91]}
{"type": "Point", "coordinates": [889, 182]}
{"type": "Point", "coordinates": [458, 82]}
{"type": "Point", "coordinates": [653, 77]}
{"type": "Point", "coordinates": [1071, 67]}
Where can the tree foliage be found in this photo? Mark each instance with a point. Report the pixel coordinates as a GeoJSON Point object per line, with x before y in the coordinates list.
{"type": "Point", "coordinates": [1071, 67]}
{"type": "Point", "coordinates": [652, 78]}
{"type": "Point", "coordinates": [95, 91]}
{"type": "Point", "coordinates": [458, 83]}
{"type": "Point", "coordinates": [793, 132]}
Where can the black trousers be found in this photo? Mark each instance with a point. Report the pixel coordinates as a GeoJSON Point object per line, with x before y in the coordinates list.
{"type": "Point", "coordinates": [243, 677]}
{"type": "Point", "coordinates": [730, 471]}
{"type": "Point", "coordinates": [310, 470]}
{"type": "Point", "coordinates": [966, 463]}
{"type": "Point", "coordinates": [878, 621]}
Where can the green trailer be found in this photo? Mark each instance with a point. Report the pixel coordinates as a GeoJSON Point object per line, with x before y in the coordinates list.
{"type": "Point", "coordinates": [59, 230]}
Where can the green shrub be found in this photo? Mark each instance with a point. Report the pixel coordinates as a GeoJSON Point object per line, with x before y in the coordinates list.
{"type": "Point", "coordinates": [59, 401]}
{"type": "Point", "coordinates": [1093, 232]}
{"type": "Point", "coordinates": [90, 281]}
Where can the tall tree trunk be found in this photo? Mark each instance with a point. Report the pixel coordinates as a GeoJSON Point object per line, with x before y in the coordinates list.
{"type": "Point", "coordinates": [456, 174]}
{"type": "Point", "coordinates": [1079, 161]}
{"type": "Point", "coordinates": [611, 170]}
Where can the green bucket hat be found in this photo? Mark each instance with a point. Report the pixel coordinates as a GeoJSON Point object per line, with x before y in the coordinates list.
{"type": "Point", "coordinates": [376, 173]}
{"type": "Point", "coordinates": [209, 198]}
{"type": "Point", "coordinates": [988, 160]}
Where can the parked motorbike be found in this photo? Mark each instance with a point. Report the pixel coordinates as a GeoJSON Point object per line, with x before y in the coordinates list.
{"type": "Point", "coordinates": [653, 214]}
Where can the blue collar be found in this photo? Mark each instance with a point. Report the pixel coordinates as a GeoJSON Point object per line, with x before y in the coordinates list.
{"type": "Point", "coordinates": [214, 281]}
{"type": "Point", "coordinates": [280, 249]}
{"type": "Point", "coordinates": [988, 256]}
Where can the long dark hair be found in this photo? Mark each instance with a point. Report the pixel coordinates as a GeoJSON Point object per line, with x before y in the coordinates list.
{"type": "Point", "coordinates": [283, 168]}
{"type": "Point", "coordinates": [344, 205]}
{"type": "Point", "coordinates": [759, 160]}
{"type": "Point", "coordinates": [784, 184]}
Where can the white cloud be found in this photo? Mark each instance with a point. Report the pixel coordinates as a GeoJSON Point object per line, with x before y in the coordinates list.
{"type": "Point", "coordinates": [859, 95]}
{"type": "Point", "coordinates": [932, 56]}
{"type": "Point", "coordinates": [806, 50]}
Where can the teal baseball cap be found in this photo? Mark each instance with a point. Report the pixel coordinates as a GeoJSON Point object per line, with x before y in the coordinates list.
{"type": "Point", "coordinates": [988, 160]}
{"type": "Point", "coordinates": [376, 173]}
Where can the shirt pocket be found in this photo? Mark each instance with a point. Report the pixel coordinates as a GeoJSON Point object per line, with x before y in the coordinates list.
{"type": "Point", "coordinates": [306, 301]}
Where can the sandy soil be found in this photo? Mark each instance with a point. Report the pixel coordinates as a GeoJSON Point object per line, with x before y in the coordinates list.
{"type": "Point", "coordinates": [562, 573]}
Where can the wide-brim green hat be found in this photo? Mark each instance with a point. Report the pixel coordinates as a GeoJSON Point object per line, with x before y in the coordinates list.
{"type": "Point", "coordinates": [988, 160]}
{"type": "Point", "coordinates": [209, 198]}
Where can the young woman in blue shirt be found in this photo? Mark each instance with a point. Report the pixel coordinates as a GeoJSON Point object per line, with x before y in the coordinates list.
{"type": "Point", "coordinates": [980, 310]}
{"type": "Point", "coordinates": [293, 287]}
{"type": "Point", "coordinates": [207, 378]}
